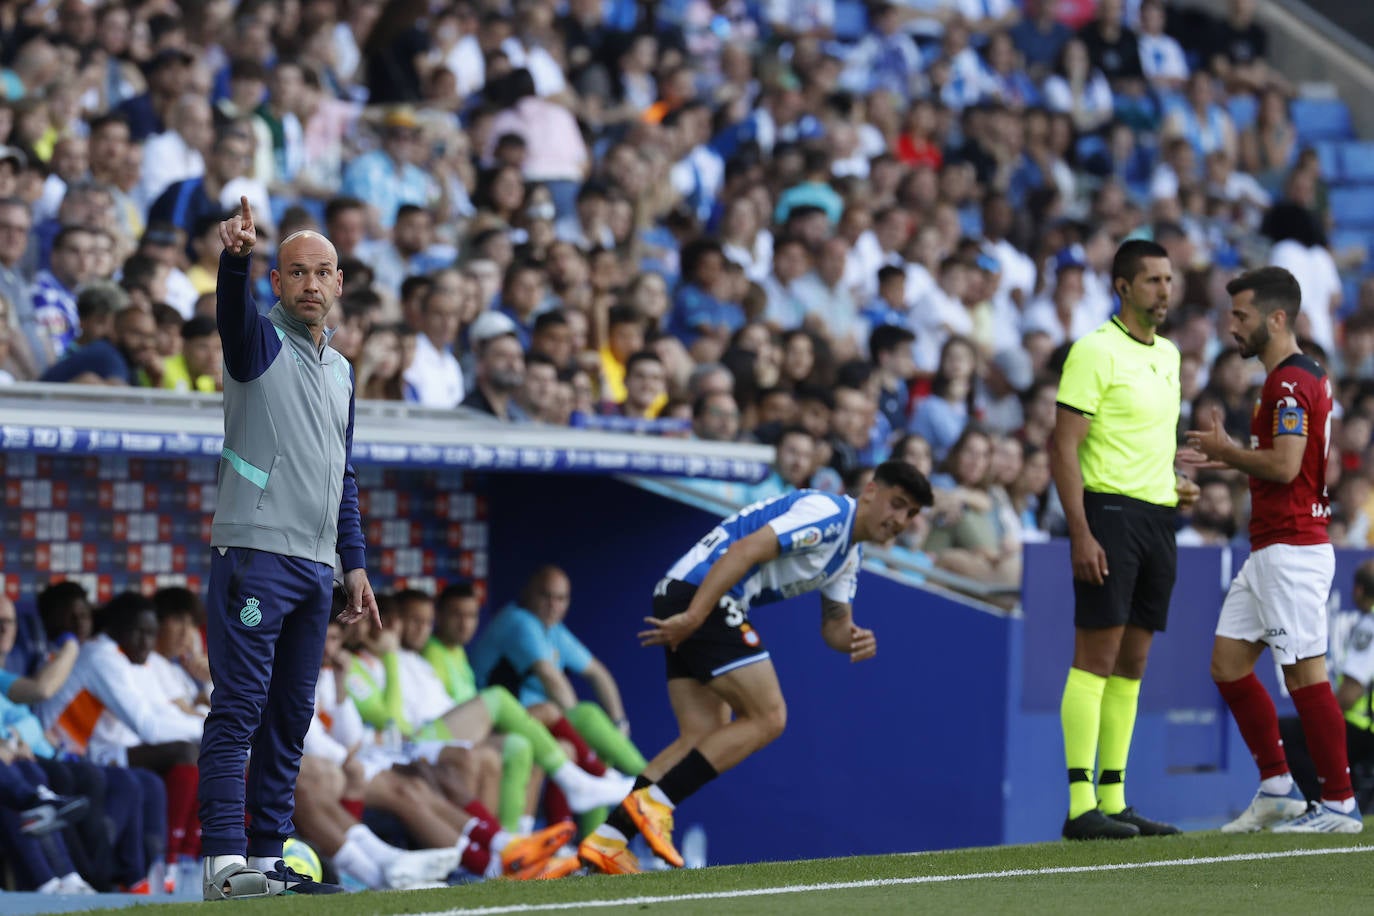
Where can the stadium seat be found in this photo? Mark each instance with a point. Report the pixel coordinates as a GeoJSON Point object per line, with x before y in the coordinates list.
{"type": "Point", "coordinates": [1357, 162]}
{"type": "Point", "coordinates": [1332, 163]}
{"type": "Point", "coordinates": [1343, 239]}
{"type": "Point", "coordinates": [851, 20]}
{"type": "Point", "coordinates": [1321, 119]}
{"type": "Point", "coordinates": [1353, 208]}
{"type": "Point", "coordinates": [1244, 109]}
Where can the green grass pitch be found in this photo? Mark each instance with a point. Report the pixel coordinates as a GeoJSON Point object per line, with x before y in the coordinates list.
{"type": "Point", "coordinates": [1197, 873]}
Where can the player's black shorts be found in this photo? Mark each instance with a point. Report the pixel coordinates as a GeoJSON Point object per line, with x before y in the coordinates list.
{"type": "Point", "coordinates": [726, 640]}
{"type": "Point", "coordinates": [1142, 559]}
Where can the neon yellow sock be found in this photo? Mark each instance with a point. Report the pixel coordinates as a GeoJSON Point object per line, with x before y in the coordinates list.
{"type": "Point", "coordinates": [1080, 713]}
{"type": "Point", "coordinates": [517, 762]}
{"type": "Point", "coordinates": [1120, 700]}
{"type": "Point", "coordinates": [510, 718]}
{"type": "Point", "coordinates": [600, 732]}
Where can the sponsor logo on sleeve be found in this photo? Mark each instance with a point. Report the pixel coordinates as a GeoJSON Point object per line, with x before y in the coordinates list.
{"type": "Point", "coordinates": [807, 537]}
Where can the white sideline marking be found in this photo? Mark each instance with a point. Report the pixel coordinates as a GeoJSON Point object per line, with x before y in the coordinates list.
{"type": "Point", "coordinates": [887, 882]}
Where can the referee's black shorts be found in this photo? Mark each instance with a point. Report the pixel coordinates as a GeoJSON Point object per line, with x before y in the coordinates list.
{"type": "Point", "coordinates": [1142, 560]}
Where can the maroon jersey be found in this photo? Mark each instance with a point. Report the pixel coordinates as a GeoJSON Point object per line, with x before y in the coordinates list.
{"type": "Point", "coordinates": [1295, 401]}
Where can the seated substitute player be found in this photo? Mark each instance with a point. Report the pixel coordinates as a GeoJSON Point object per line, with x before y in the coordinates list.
{"type": "Point", "coordinates": [716, 662]}
{"type": "Point", "coordinates": [528, 649]}
{"type": "Point", "coordinates": [1279, 597]}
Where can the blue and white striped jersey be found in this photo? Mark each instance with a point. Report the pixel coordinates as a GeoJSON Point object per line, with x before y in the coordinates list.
{"type": "Point", "coordinates": [814, 531]}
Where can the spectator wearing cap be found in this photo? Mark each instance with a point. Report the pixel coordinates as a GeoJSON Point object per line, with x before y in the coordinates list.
{"type": "Point", "coordinates": [434, 378]}
{"type": "Point", "coordinates": [1065, 314]}
{"type": "Point", "coordinates": [149, 113]}
{"type": "Point", "coordinates": [200, 364]}
{"type": "Point", "coordinates": [219, 188]}
{"type": "Point", "coordinates": [1008, 377]}
{"type": "Point", "coordinates": [178, 153]}
{"type": "Point", "coordinates": [386, 178]}
{"type": "Point", "coordinates": [500, 372]}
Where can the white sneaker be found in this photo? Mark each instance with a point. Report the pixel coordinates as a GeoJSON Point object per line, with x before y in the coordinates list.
{"type": "Point", "coordinates": [585, 791]}
{"type": "Point", "coordinates": [420, 868]}
{"type": "Point", "coordinates": [1321, 819]}
{"type": "Point", "coordinates": [75, 884]}
{"type": "Point", "coordinates": [232, 880]}
{"type": "Point", "coordinates": [1267, 810]}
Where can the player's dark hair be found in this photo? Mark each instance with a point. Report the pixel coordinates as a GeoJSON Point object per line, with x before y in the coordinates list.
{"type": "Point", "coordinates": [903, 475]}
{"type": "Point", "coordinates": [54, 600]}
{"type": "Point", "coordinates": [405, 596]}
{"type": "Point", "coordinates": [120, 615]}
{"type": "Point", "coordinates": [641, 356]}
{"type": "Point", "coordinates": [1129, 256]}
{"type": "Point", "coordinates": [455, 591]}
{"type": "Point", "coordinates": [1364, 578]}
{"type": "Point", "coordinates": [176, 601]}
{"type": "Point", "coordinates": [1275, 290]}
{"type": "Point", "coordinates": [888, 337]}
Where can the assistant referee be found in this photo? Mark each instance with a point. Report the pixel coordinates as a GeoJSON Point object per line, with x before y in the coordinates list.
{"type": "Point", "coordinates": [1112, 456]}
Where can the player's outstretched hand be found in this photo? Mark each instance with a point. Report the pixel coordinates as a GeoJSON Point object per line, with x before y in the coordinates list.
{"type": "Point", "coordinates": [1210, 443]}
{"type": "Point", "coordinates": [238, 233]}
{"type": "Point", "coordinates": [862, 643]}
{"type": "Point", "coordinates": [670, 631]}
{"type": "Point", "coordinates": [1089, 559]}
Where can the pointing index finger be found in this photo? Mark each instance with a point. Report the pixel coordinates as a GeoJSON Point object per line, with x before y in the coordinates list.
{"type": "Point", "coordinates": [246, 210]}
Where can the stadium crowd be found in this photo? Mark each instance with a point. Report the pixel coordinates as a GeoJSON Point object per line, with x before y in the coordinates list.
{"type": "Point", "coordinates": [851, 230]}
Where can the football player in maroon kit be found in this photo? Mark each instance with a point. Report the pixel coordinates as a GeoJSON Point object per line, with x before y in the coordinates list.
{"type": "Point", "coordinates": [1279, 597]}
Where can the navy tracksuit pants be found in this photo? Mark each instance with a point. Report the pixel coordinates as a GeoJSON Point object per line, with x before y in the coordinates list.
{"type": "Point", "coordinates": [267, 617]}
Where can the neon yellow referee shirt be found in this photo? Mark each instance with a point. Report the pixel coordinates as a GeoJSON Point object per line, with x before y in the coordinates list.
{"type": "Point", "coordinates": [1130, 391]}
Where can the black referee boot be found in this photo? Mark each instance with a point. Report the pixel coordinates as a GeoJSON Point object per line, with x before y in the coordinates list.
{"type": "Point", "coordinates": [1094, 825]}
{"type": "Point", "coordinates": [1146, 826]}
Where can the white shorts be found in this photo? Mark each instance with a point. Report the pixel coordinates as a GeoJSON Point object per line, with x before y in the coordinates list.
{"type": "Point", "coordinates": [377, 759]}
{"type": "Point", "coordinates": [1279, 598]}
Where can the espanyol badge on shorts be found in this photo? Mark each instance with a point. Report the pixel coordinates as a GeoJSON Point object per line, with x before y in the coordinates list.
{"type": "Point", "coordinates": [749, 635]}
{"type": "Point", "coordinates": [251, 615]}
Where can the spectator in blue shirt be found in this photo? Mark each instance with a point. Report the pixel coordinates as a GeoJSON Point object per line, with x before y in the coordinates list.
{"type": "Point", "coordinates": [701, 321]}
{"type": "Point", "coordinates": [1040, 37]}
{"type": "Point", "coordinates": [130, 358]}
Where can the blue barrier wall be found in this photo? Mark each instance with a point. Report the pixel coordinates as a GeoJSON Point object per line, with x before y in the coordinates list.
{"type": "Point", "coordinates": [900, 753]}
